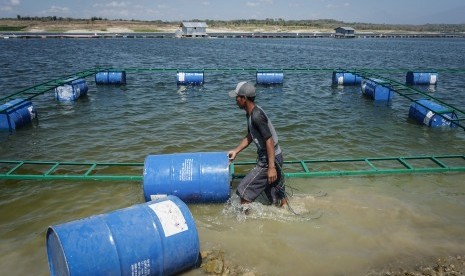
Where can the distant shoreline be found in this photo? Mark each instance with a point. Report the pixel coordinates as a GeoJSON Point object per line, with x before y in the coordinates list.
{"type": "Point", "coordinates": [79, 26]}
{"type": "Point", "coordinates": [80, 34]}
{"type": "Point", "coordinates": [74, 28]}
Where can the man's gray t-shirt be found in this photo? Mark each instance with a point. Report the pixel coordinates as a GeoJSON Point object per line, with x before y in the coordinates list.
{"type": "Point", "coordinates": [261, 128]}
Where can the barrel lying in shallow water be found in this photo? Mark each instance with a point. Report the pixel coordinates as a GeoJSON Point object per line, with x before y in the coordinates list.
{"type": "Point", "coordinates": [427, 112]}
{"type": "Point", "coordinates": [111, 77]}
{"type": "Point", "coordinates": [154, 238]}
{"type": "Point", "coordinates": [16, 114]}
{"type": "Point", "coordinates": [190, 78]}
{"type": "Point", "coordinates": [346, 78]}
{"type": "Point", "coordinates": [377, 89]}
{"type": "Point", "coordinates": [193, 177]}
{"type": "Point", "coordinates": [72, 90]}
{"type": "Point", "coordinates": [413, 78]}
{"type": "Point", "coordinates": [269, 78]}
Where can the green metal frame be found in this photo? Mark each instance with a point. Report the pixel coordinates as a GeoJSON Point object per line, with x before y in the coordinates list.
{"type": "Point", "coordinates": [303, 168]}
{"type": "Point", "coordinates": [50, 170]}
{"type": "Point", "coordinates": [414, 94]}
{"type": "Point", "coordinates": [40, 89]}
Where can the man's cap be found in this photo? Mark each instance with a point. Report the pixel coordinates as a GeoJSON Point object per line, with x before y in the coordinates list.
{"type": "Point", "coordinates": [243, 89]}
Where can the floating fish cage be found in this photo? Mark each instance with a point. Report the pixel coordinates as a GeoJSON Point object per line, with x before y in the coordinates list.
{"type": "Point", "coordinates": [346, 78]}
{"type": "Point", "coordinates": [111, 77]}
{"type": "Point", "coordinates": [432, 114]}
{"type": "Point", "coordinates": [71, 91]}
{"type": "Point", "coordinates": [374, 86]}
{"type": "Point", "coordinates": [269, 78]}
{"type": "Point", "coordinates": [190, 78]}
{"type": "Point", "coordinates": [16, 114]}
{"type": "Point", "coordinates": [421, 78]}
{"type": "Point", "coordinates": [377, 89]}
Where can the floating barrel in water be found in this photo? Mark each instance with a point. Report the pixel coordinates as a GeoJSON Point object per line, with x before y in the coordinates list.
{"type": "Point", "coordinates": [270, 78]}
{"type": "Point", "coordinates": [376, 89]}
{"type": "Point", "coordinates": [111, 77]}
{"type": "Point", "coordinates": [16, 113]}
{"type": "Point", "coordinates": [421, 78]}
{"type": "Point", "coordinates": [155, 238]}
{"type": "Point", "coordinates": [426, 112]}
{"type": "Point", "coordinates": [193, 177]}
{"type": "Point", "coordinates": [72, 90]}
{"type": "Point", "coordinates": [346, 78]}
{"type": "Point", "coordinates": [190, 78]}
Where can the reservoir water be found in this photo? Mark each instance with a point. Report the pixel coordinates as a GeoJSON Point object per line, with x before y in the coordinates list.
{"type": "Point", "coordinates": [346, 225]}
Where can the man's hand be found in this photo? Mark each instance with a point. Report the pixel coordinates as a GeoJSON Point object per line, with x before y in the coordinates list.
{"type": "Point", "coordinates": [232, 155]}
{"type": "Point", "coordinates": [272, 175]}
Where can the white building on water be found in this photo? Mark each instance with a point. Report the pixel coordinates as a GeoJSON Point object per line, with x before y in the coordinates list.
{"type": "Point", "coordinates": [192, 29]}
{"type": "Point", "coordinates": [344, 32]}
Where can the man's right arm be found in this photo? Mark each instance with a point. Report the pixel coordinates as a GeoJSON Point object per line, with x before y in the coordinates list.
{"type": "Point", "coordinates": [242, 145]}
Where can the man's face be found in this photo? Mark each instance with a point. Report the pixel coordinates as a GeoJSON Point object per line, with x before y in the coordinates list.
{"type": "Point", "coordinates": [240, 101]}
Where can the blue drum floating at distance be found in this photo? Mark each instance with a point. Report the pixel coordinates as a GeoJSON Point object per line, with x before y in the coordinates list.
{"type": "Point", "coordinates": [418, 78]}
{"type": "Point", "coordinates": [72, 90]}
{"type": "Point", "coordinates": [346, 78]}
{"type": "Point", "coordinates": [16, 114]}
{"type": "Point", "coordinates": [111, 77]}
{"type": "Point", "coordinates": [193, 177]}
{"type": "Point", "coordinates": [377, 89]}
{"type": "Point", "coordinates": [269, 78]}
{"type": "Point", "coordinates": [155, 238]}
{"type": "Point", "coordinates": [427, 112]}
{"type": "Point", "coordinates": [190, 78]}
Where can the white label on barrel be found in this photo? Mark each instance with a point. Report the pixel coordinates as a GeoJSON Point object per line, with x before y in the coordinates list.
{"type": "Point", "coordinates": [181, 77]}
{"type": "Point", "coordinates": [185, 174]}
{"type": "Point", "coordinates": [433, 79]}
{"type": "Point", "coordinates": [141, 268]}
{"type": "Point", "coordinates": [170, 216]}
{"type": "Point", "coordinates": [158, 196]}
{"type": "Point", "coordinates": [32, 112]}
{"type": "Point", "coordinates": [428, 117]}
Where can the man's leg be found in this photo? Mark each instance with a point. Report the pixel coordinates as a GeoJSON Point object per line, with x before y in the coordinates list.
{"type": "Point", "coordinates": [253, 184]}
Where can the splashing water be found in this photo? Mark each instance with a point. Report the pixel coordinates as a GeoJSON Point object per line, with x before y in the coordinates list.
{"type": "Point", "coordinates": [300, 207]}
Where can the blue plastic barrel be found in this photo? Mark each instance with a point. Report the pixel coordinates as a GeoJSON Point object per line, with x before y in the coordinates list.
{"type": "Point", "coordinates": [377, 89]}
{"type": "Point", "coordinates": [72, 90]}
{"type": "Point", "coordinates": [193, 177]}
{"type": "Point", "coordinates": [425, 112]}
{"type": "Point", "coordinates": [416, 78]}
{"type": "Point", "coordinates": [155, 238]}
{"type": "Point", "coordinates": [268, 78]}
{"type": "Point", "coordinates": [190, 78]}
{"type": "Point", "coordinates": [346, 78]}
{"type": "Point", "coordinates": [111, 77]}
{"type": "Point", "coordinates": [16, 113]}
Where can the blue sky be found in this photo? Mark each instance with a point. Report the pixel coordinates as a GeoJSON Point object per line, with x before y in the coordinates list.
{"type": "Point", "coordinates": [369, 11]}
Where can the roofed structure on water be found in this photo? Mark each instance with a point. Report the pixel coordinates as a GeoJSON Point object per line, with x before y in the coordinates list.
{"type": "Point", "coordinates": [344, 32]}
{"type": "Point", "coordinates": [193, 29]}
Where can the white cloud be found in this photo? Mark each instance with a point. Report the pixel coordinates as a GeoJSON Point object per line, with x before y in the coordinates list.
{"type": "Point", "coordinates": [206, 3]}
{"type": "Point", "coordinates": [252, 4]}
{"type": "Point", "coordinates": [337, 6]}
{"type": "Point", "coordinates": [259, 2]}
{"type": "Point", "coordinates": [112, 4]}
{"type": "Point", "coordinates": [115, 4]}
{"type": "Point", "coordinates": [9, 5]}
{"type": "Point", "coordinates": [56, 9]}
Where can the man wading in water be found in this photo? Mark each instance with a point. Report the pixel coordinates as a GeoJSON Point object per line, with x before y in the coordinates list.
{"type": "Point", "coordinates": [267, 175]}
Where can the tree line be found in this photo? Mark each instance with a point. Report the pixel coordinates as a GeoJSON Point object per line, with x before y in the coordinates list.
{"type": "Point", "coordinates": [279, 22]}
